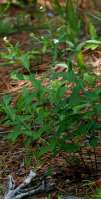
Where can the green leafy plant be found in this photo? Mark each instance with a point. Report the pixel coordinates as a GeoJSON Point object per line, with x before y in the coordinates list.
{"type": "Point", "coordinates": [59, 121]}
{"type": "Point", "coordinates": [6, 27]}
{"type": "Point", "coordinates": [15, 55]}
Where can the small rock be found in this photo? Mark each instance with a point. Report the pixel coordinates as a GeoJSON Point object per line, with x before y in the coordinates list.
{"type": "Point", "coordinates": [68, 181]}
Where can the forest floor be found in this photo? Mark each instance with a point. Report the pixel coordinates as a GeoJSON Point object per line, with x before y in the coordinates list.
{"type": "Point", "coordinates": [17, 160]}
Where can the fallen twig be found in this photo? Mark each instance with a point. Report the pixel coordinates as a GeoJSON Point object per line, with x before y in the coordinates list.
{"type": "Point", "coordinates": [24, 189]}
{"type": "Point", "coordinates": [12, 191]}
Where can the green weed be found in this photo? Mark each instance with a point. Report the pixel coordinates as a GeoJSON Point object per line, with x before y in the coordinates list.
{"type": "Point", "coordinates": [60, 122]}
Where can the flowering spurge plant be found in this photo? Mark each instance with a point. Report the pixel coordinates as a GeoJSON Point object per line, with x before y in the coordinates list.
{"type": "Point", "coordinates": [60, 120]}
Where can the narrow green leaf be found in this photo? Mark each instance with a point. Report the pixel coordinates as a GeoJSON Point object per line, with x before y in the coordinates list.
{"type": "Point", "coordinates": [25, 61]}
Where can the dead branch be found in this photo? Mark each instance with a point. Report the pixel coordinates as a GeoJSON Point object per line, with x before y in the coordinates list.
{"type": "Point", "coordinates": [12, 191]}
{"type": "Point", "coordinates": [24, 189]}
